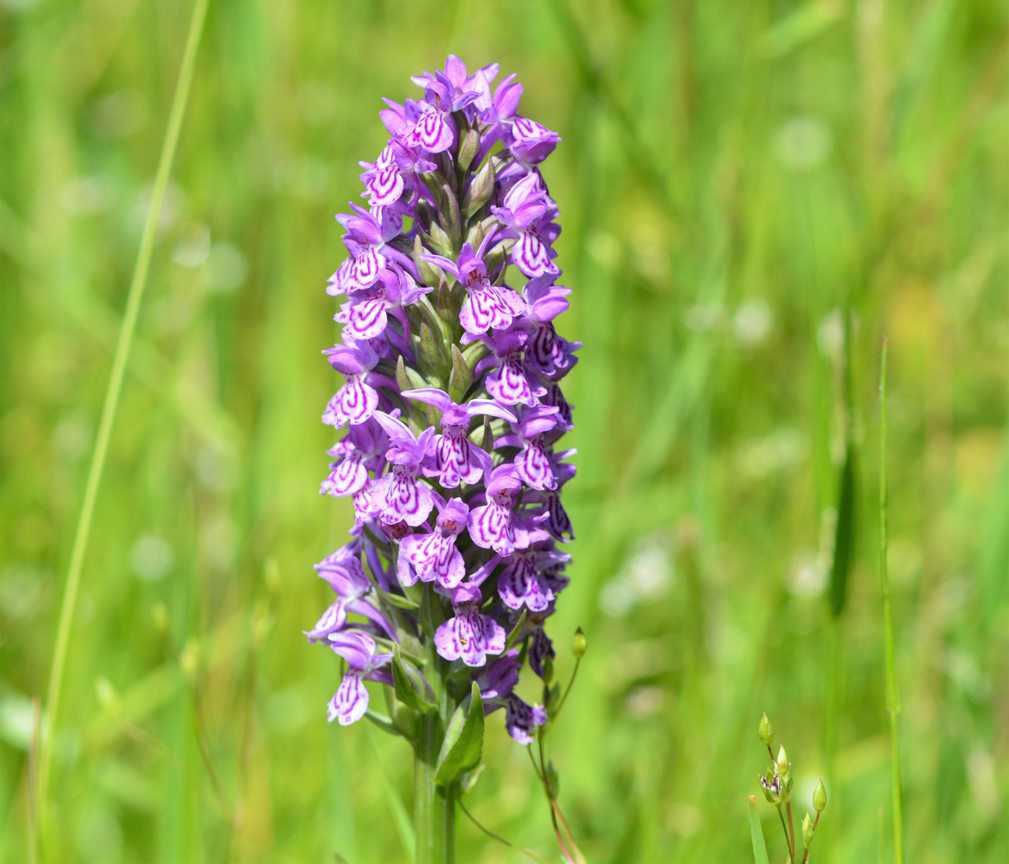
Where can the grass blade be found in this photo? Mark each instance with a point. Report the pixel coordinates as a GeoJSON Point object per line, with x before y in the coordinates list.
{"type": "Point", "coordinates": [892, 691]}
{"type": "Point", "coordinates": [113, 390]}
{"type": "Point", "coordinates": [757, 835]}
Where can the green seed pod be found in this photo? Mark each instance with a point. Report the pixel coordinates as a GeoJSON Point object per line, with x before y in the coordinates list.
{"type": "Point", "coordinates": [580, 644]}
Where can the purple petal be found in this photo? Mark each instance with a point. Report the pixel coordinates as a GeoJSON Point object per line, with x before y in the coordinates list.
{"type": "Point", "coordinates": [350, 702]}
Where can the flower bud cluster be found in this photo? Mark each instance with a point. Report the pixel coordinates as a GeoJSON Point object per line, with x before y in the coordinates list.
{"type": "Point", "coordinates": [450, 405]}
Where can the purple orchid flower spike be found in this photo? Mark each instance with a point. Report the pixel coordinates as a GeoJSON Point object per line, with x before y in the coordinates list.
{"type": "Point", "coordinates": [487, 306]}
{"type": "Point", "coordinates": [430, 557]}
{"type": "Point", "coordinates": [449, 292]}
{"type": "Point", "coordinates": [470, 636]}
{"type": "Point", "coordinates": [350, 702]}
{"type": "Point", "coordinates": [356, 401]}
{"type": "Point", "coordinates": [490, 526]}
{"type": "Point", "coordinates": [400, 495]}
{"type": "Point", "coordinates": [456, 459]}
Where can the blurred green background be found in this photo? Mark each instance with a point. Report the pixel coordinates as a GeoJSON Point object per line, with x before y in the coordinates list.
{"type": "Point", "coordinates": [734, 175]}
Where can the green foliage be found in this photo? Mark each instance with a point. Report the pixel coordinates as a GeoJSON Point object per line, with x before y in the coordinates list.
{"type": "Point", "coordinates": [463, 742]}
{"type": "Point", "coordinates": [733, 176]}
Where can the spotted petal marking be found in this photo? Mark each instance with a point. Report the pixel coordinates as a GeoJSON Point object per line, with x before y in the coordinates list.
{"type": "Point", "coordinates": [490, 527]}
{"type": "Point", "coordinates": [508, 383]}
{"type": "Point", "coordinates": [367, 319]}
{"type": "Point", "coordinates": [350, 702]}
{"type": "Point", "coordinates": [431, 132]}
{"type": "Point", "coordinates": [485, 309]}
{"type": "Point", "coordinates": [534, 467]}
{"type": "Point", "coordinates": [364, 270]}
{"type": "Point", "coordinates": [457, 459]}
{"type": "Point", "coordinates": [430, 557]}
{"type": "Point", "coordinates": [521, 584]}
{"type": "Point", "coordinates": [532, 256]}
{"type": "Point", "coordinates": [469, 637]}
{"type": "Point", "coordinates": [385, 186]}
{"type": "Point", "coordinates": [332, 620]}
{"type": "Point", "coordinates": [348, 476]}
{"type": "Point", "coordinates": [354, 403]}
{"type": "Point", "coordinates": [404, 498]}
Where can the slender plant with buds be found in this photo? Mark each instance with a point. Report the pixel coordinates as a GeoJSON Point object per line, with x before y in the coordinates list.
{"type": "Point", "coordinates": [453, 416]}
{"type": "Point", "coordinates": [776, 784]}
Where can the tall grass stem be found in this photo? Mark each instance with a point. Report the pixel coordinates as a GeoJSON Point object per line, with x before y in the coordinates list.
{"type": "Point", "coordinates": [892, 691]}
{"type": "Point", "coordinates": [113, 390]}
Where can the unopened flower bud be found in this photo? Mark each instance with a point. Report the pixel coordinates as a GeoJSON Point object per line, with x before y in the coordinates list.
{"type": "Point", "coordinates": [807, 831]}
{"type": "Point", "coordinates": [580, 644]}
{"type": "Point", "coordinates": [781, 764]}
{"type": "Point", "coordinates": [765, 730]}
{"type": "Point", "coordinates": [820, 797]}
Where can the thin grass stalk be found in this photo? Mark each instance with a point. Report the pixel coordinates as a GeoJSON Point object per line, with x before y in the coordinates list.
{"type": "Point", "coordinates": [82, 533]}
{"type": "Point", "coordinates": [892, 691]}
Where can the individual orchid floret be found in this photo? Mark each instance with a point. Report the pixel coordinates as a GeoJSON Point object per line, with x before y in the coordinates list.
{"type": "Point", "coordinates": [431, 557]}
{"type": "Point", "coordinates": [497, 680]}
{"type": "Point", "coordinates": [541, 652]}
{"type": "Point", "coordinates": [350, 702]}
{"type": "Point", "coordinates": [490, 525]}
{"type": "Point", "coordinates": [470, 636]}
{"type": "Point", "coordinates": [528, 211]}
{"type": "Point", "coordinates": [522, 719]}
{"type": "Point", "coordinates": [383, 180]}
{"type": "Point", "coordinates": [400, 495]}
{"type": "Point", "coordinates": [510, 383]}
{"type": "Point", "coordinates": [456, 459]}
{"type": "Point", "coordinates": [366, 238]}
{"type": "Point", "coordinates": [530, 142]}
{"type": "Point", "coordinates": [366, 314]}
{"type": "Point", "coordinates": [487, 306]}
{"type": "Point", "coordinates": [356, 401]}
{"type": "Point", "coordinates": [363, 447]}
{"type": "Point", "coordinates": [532, 464]}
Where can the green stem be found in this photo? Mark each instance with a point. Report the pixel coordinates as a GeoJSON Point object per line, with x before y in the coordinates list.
{"type": "Point", "coordinates": [434, 806]}
{"type": "Point", "coordinates": [68, 605]}
{"type": "Point", "coordinates": [892, 690]}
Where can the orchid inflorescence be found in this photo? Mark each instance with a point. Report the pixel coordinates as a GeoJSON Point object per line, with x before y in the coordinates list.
{"type": "Point", "coordinates": [452, 412]}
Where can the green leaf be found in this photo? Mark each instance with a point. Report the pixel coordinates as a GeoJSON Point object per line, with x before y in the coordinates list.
{"type": "Point", "coordinates": [463, 745]}
{"type": "Point", "coordinates": [382, 722]}
{"type": "Point", "coordinates": [756, 835]}
{"type": "Point", "coordinates": [400, 602]}
{"type": "Point", "coordinates": [412, 688]}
